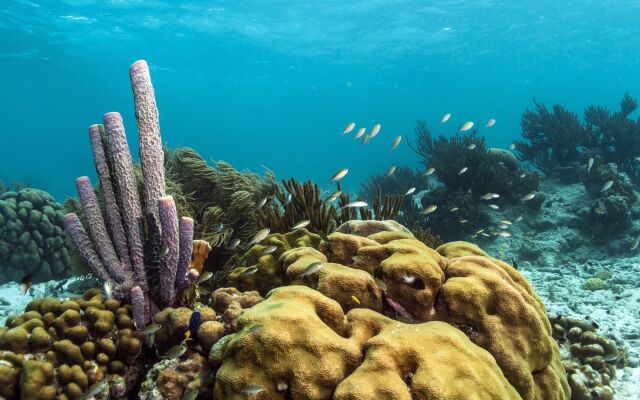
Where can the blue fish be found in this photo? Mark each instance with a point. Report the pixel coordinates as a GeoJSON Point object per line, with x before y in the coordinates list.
{"type": "Point", "coordinates": [194, 323]}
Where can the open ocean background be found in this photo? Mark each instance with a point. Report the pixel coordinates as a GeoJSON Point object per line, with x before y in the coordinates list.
{"type": "Point", "coordinates": [274, 82]}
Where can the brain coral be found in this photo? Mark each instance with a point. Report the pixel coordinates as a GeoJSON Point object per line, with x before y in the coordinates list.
{"type": "Point", "coordinates": [472, 327]}
{"type": "Point", "coordinates": [31, 236]}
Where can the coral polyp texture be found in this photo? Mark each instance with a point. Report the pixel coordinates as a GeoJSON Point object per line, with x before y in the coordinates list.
{"type": "Point", "coordinates": [472, 326]}
{"type": "Point", "coordinates": [140, 246]}
{"type": "Point", "coordinates": [32, 240]}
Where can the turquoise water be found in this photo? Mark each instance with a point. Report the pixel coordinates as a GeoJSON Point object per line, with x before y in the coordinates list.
{"type": "Point", "coordinates": [274, 82]}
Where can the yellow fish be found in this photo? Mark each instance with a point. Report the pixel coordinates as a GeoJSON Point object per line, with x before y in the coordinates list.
{"type": "Point", "coordinates": [355, 299]}
{"type": "Point", "coordinates": [187, 334]}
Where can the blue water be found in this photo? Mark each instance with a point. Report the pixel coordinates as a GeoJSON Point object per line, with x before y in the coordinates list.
{"type": "Point", "coordinates": [274, 82]}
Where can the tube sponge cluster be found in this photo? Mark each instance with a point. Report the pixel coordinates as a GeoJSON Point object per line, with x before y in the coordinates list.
{"type": "Point", "coordinates": [32, 240]}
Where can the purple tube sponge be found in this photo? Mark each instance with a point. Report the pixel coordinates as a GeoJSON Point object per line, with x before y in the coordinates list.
{"type": "Point", "coordinates": [84, 246]}
{"type": "Point", "coordinates": [98, 229]}
{"type": "Point", "coordinates": [128, 194]}
{"type": "Point", "coordinates": [190, 277]}
{"type": "Point", "coordinates": [112, 211]}
{"type": "Point", "coordinates": [151, 153]}
{"type": "Point", "coordinates": [186, 248]}
{"type": "Point", "coordinates": [170, 238]}
{"type": "Point", "coordinates": [138, 307]}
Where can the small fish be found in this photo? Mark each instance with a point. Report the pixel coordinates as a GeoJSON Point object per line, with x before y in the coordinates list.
{"type": "Point", "coordinates": [528, 197]}
{"type": "Point", "coordinates": [505, 221]}
{"type": "Point", "coordinates": [445, 118]}
{"type": "Point", "coordinates": [268, 250]}
{"type": "Point", "coordinates": [390, 171]}
{"type": "Point", "coordinates": [164, 250]}
{"type": "Point", "coordinates": [606, 186]}
{"type": "Point", "coordinates": [233, 244]}
{"type": "Point", "coordinates": [288, 199]}
{"type": "Point", "coordinates": [410, 191]}
{"type": "Point", "coordinates": [396, 142]}
{"type": "Point", "coordinates": [512, 146]}
{"type": "Point", "coordinates": [354, 298]}
{"type": "Point", "coordinates": [262, 203]}
{"type": "Point", "coordinates": [176, 351]}
{"type": "Point", "coordinates": [504, 234]}
{"type": "Point", "coordinates": [518, 219]}
{"type": "Point", "coordinates": [463, 170]}
{"type": "Point", "coordinates": [494, 206]}
{"type": "Point", "coordinates": [355, 204]}
{"type": "Point", "coordinates": [334, 196]}
{"type": "Point", "coordinates": [366, 139]}
{"type": "Point", "coordinates": [514, 264]}
{"type": "Point", "coordinates": [301, 224]}
{"type": "Point", "coordinates": [490, 123]}
{"type": "Point", "coordinates": [489, 196]}
{"type": "Point", "coordinates": [25, 283]}
{"type": "Point", "coordinates": [339, 175]}
{"type": "Point", "coordinates": [349, 128]}
{"type": "Point", "coordinates": [259, 236]}
{"type": "Point", "coordinates": [312, 269]}
{"type": "Point", "coordinates": [250, 271]}
{"type": "Point", "coordinates": [454, 209]}
{"type": "Point", "coordinates": [190, 394]}
{"type": "Point", "coordinates": [485, 234]}
{"type": "Point", "coordinates": [205, 276]}
{"type": "Point", "coordinates": [479, 231]}
{"type": "Point", "coordinates": [255, 328]}
{"type": "Point", "coordinates": [220, 227]}
{"type": "Point", "coordinates": [430, 209]}
{"type": "Point", "coordinates": [359, 133]}
{"type": "Point", "coordinates": [374, 131]}
{"type": "Point", "coordinates": [194, 323]}
{"type": "Point", "coordinates": [471, 146]}
{"type": "Point", "coordinates": [252, 389]}
{"type": "Point", "coordinates": [523, 175]}
{"type": "Point", "coordinates": [504, 226]}
{"type": "Point", "coordinates": [589, 164]}
{"type": "Point", "coordinates": [635, 243]}
{"type": "Point", "coordinates": [466, 126]}
{"type": "Point", "coordinates": [463, 221]}
{"type": "Point", "coordinates": [106, 287]}
{"type": "Point", "coordinates": [96, 389]}
{"type": "Point", "coordinates": [429, 171]}
{"type": "Point", "coordinates": [408, 279]}
{"type": "Point", "coordinates": [150, 329]}
{"type": "Point", "coordinates": [381, 284]}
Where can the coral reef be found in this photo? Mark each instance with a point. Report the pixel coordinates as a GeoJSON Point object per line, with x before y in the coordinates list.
{"type": "Point", "coordinates": [314, 350]}
{"type": "Point", "coordinates": [139, 247]}
{"type": "Point", "coordinates": [58, 348]}
{"type": "Point", "coordinates": [32, 240]}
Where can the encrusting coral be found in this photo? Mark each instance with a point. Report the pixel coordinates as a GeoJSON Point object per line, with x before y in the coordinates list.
{"type": "Point", "coordinates": [298, 342]}
{"type": "Point", "coordinates": [32, 240]}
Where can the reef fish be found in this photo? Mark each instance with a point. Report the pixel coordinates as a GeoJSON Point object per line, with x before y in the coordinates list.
{"type": "Point", "coordinates": [150, 329]}
{"type": "Point", "coordinates": [96, 389]}
{"type": "Point", "coordinates": [190, 394]}
{"type": "Point", "coordinates": [445, 118]}
{"type": "Point", "coordinates": [164, 250]}
{"type": "Point", "coordinates": [504, 234]}
{"type": "Point", "coordinates": [205, 276]}
{"type": "Point", "coordinates": [494, 206]}
{"type": "Point", "coordinates": [262, 203]}
{"type": "Point", "coordinates": [489, 196]}
{"type": "Point", "coordinates": [25, 283]}
{"type": "Point", "coordinates": [453, 209]}
{"type": "Point", "coordinates": [268, 250]}
{"type": "Point", "coordinates": [528, 197]}
{"type": "Point", "coordinates": [463, 221]}
{"type": "Point", "coordinates": [339, 175]}
{"type": "Point", "coordinates": [194, 324]}
{"type": "Point", "coordinates": [471, 146]}
{"type": "Point", "coordinates": [302, 224]}
{"type": "Point", "coordinates": [176, 351]}
{"type": "Point", "coordinates": [381, 284]}
{"type": "Point", "coordinates": [312, 269]}
{"type": "Point", "coordinates": [430, 209]}
{"type": "Point", "coordinates": [589, 164]}
{"type": "Point", "coordinates": [349, 128]}
{"type": "Point", "coordinates": [490, 123]}
{"type": "Point", "coordinates": [288, 199]}
{"type": "Point", "coordinates": [233, 244]}
{"type": "Point", "coordinates": [606, 186]}
{"type": "Point", "coordinates": [250, 271]}
{"type": "Point", "coordinates": [334, 196]}
{"type": "Point", "coordinates": [390, 171]}
{"type": "Point", "coordinates": [512, 146]}
{"type": "Point", "coordinates": [463, 170]}
{"type": "Point", "coordinates": [635, 243]}
{"type": "Point", "coordinates": [259, 236]}
{"type": "Point", "coordinates": [359, 133]}
{"type": "Point", "coordinates": [355, 204]}
{"type": "Point", "coordinates": [220, 227]}
{"type": "Point", "coordinates": [106, 287]}
{"type": "Point", "coordinates": [466, 126]}
{"type": "Point", "coordinates": [252, 389]}
{"type": "Point", "coordinates": [410, 191]}
{"type": "Point", "coordinates": [354, 298]}
{"type": "Point", "coordinates": [429, 171]}
{"type": "Point", "coordinates": [366, 139]}
{"type": "Point", "coordinates": [374, 131]}
{"type": "Point", "coordinates": [396, 142]}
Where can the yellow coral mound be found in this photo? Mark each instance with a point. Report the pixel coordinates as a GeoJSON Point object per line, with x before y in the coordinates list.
{"type": "Point", "coordinates": [473, 328]}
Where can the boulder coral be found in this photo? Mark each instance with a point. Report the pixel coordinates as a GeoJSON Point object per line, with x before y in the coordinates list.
{"type": "Point", "coordinates": [388, 317]}
{"type": "Point", "coordinates": [32, 240]}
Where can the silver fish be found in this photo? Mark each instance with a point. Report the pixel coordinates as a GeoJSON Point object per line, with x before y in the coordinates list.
{"type": "Point", "coordinates": [408, 279]}
{"type": "Point", "coordinates": [429, 171]}
{"type": "Point", "coordinates": [176, 351]}
{"type": "Point", "coordinates": [374, 131]}
{"type": "Point", "coordinates": [512, 146]}
{"type": "Point", "coordinates": [252, 389]}
{"type": "Point", "coordinates": [205, 276]}
{"type": "Point", "coordinates": [504, 234]}
{"type": "Point", "coordinates": [96, 389]}
{"type": "Point", "coordinates": [528, 197]}
{"type": "Point", "coordinates": [268, 250]}
{"type": "Point", "coordinates": [471, 146]}
{"type": "Point", "coordinates": [359, 133]}
{"type": "Point", "coordinates": [490, 123]}
{"type": "Point", "coordinates": [312, 269]}
{"type": "Point", "coordinates": [349, 128]}
{"type": "Point", "coordinates": [334, 196]}
{"type": "Point", "coordinates": [262, 203]}
{"type": "Point", "coordinates": [606, 185]}
{"type": "Point", "coordinates": [445, 118]}
{"type": "Point", "coordinates": [410, 191]}
{"type": "Point", "coordinates": [259, 236]}
{"type": "Point", "coordinates": [150, 329]}
{"type": "Point", "coordinates": [635, 243]}
{"type": "Point", "coordinates": [339, 175]}
{"type": "Point", "coordinates": [523, 175]}
{"type": "Point", "coordinates": [453, 209]}
{"type": "Point", "coordinates": [589, 164]}
{"type": "Point", "coordinates": [106, 287]}
{"type": "Point", "coordinates": [430, 209]}
{"type": "Point", "coordinates": [466, 126]}
{"type": "Point", "coordinates": [302, 224]}
{"type": "Point", "coordinates": [488, 196]}
{"type": "Point", "coordinates": [390, 171]}
{"type": "Point", "coordinates": [366, 139]}
{"type": "Point", "coordinates": [164, 250]}
{"type": "Point", "coordinates": [250, 271]}
{"type": "Point", "coordinates": [463, 221]}
{"type": "Point", "coordinates": [463, 170]}
{"type": "Point", "coordinates": [396, 142]}
{"type": "Point", "coordinates": [288, 199]}
{"type": "Point", "coordinates": [494, 206]}
{"type": "Point", "coordinates": [233, 244]}
{"type": "Point", "coordinates": [355, 204]}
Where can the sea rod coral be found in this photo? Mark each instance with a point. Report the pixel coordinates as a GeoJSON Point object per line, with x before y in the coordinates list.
{"type": "Point", "coordinates": [140, 248]}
